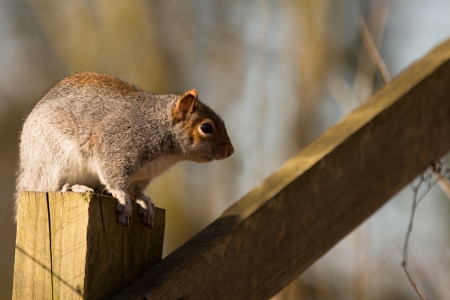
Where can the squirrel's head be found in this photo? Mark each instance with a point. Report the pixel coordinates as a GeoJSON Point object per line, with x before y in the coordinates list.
{"type": "Point", "coordinates": [202, 133]}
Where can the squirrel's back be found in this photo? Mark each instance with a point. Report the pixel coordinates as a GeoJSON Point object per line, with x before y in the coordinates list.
{"type": "Point", "coordinates": [58, 124]}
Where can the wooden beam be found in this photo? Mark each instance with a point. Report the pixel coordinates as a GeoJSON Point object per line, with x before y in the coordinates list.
{"type": "Point", "coordinates": [70, 246]}
{"type": "Point", "coordinates": [270, 236]}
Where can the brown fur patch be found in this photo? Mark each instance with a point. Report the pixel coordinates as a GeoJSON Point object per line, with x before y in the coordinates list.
{"type": "Point", "coordinates": [92, 142]}
{"type": "Point", "coordinates": [190, 126]}
{"type": "Point", "coordinates": [195, 134]}
{"type": "Point", "coordinates": [110, 82]}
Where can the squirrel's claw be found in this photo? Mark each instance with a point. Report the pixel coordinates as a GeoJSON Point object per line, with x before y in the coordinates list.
{"type": "Point", "coordinates": [123, 207]}
{"type": "Point", "coordinates": [124, 213]}
{"type": "Point", "coordinates": [146, 210]}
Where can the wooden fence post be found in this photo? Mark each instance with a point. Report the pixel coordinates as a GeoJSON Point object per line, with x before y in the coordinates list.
{"type": "Point", "coordinates": [70, 246]}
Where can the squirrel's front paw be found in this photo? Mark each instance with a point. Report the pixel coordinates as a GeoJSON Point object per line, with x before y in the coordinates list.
{"type": "Point", "coordinates": [123, 207]}
{"type": "Point", "coordinates": [76, 188]}
{"type": "Point", "coordinates": [124, 213]}
{"type": "Point", "coordinates": [146, 210]}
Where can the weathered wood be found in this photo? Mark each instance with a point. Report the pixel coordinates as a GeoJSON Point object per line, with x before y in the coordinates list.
{"type": "Point", "coordinates": [295, 216]}
{"type": "Point", "coordinates": [70, 246]}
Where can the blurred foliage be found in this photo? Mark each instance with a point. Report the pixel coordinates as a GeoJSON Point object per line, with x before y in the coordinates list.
{"type": "Point", "coordinates": [111, 36]}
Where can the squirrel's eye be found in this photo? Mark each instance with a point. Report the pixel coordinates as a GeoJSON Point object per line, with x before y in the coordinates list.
{"type": "Point", "coordinates": [206, 128]}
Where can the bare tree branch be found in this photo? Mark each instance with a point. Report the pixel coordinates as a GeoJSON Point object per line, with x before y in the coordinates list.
{"type": "Point", "coordinates": [342, 93]}
{"type": "Point", "coordinates": [373, 51]}
{"type": "Point", "coordinates": [444, 185]}
{"type": "Point", "coordinates": [376, 21]}
{"type": "Point", "coordinates": [405, 263]}
{"type": "Point", "coordinates": [430, 178]}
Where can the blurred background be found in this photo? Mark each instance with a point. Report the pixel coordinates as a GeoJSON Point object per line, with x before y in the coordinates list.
{"type": "Point", "coordinates": [278, 72]}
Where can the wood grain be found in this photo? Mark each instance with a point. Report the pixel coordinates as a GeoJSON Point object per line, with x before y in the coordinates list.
{"type": "Point", "coordinates": [70, 246]}
{"type": "Point", "coordinates": [295, 216]}
{"type": "Point", "coordinates": [32, 263]}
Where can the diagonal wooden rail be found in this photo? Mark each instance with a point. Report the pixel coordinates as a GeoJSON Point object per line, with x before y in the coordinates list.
{"type": "Point", "coordinates": [270, 236]}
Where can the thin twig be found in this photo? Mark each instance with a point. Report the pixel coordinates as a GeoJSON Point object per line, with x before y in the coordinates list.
{"type": "Point", "coordinates": [444, 185]}
{"type": "Point", "coordinates": [405, 263]}
{"type": "Point", "coordinates": [428, 179]}
{"type": "Point", "coordinates": [376, 21]}
{"type": "Point", "coordinates": [373, 51]}
{"type": "Point", "coordinates": [429, 187]}
{"type": "Point", "coordinates": [342, 93]}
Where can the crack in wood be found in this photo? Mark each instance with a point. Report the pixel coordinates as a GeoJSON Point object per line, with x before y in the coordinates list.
{"type": "Point", "coordinates": [50, 241]}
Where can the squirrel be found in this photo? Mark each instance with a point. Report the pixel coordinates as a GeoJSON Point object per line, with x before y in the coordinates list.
{"type": "Point", "coordinates": [95, 132]}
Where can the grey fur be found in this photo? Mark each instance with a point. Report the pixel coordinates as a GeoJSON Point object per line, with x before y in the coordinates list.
{"type": "Point", "coordinates": [95, 130]}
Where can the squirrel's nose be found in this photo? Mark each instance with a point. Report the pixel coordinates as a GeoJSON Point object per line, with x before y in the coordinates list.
{"type": "Point", "coordinates": [230, 150]}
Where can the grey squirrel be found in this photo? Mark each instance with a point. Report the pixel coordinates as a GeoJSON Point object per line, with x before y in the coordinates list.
{"type": "Point", "coordinates": [94, 131]}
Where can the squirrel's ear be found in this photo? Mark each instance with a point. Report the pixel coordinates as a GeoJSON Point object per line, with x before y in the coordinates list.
{"type": "Point", "coordinates": [185, 104]}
